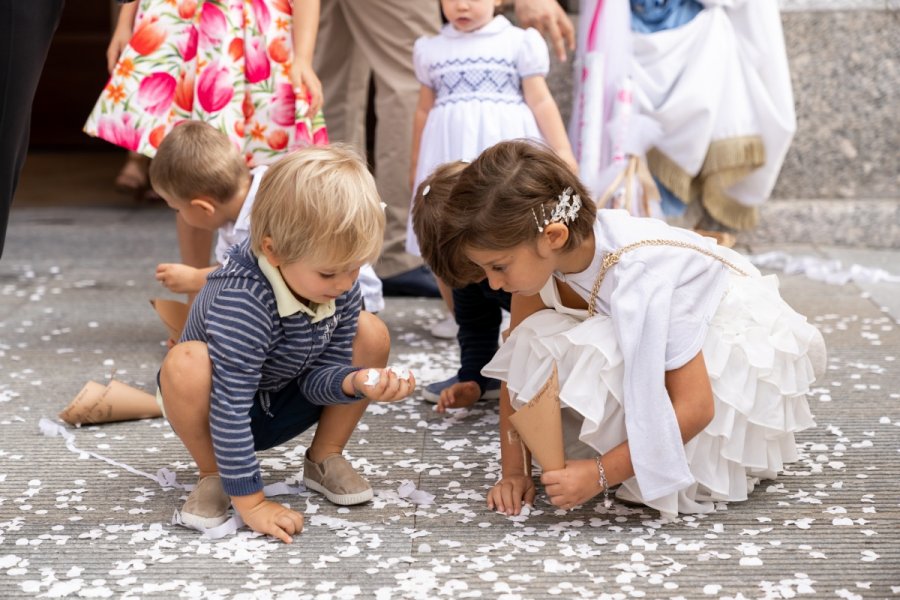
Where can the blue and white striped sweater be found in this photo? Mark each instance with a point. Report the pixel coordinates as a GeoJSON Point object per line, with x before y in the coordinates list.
{"type": "Point", "coordinates": [253, 348]}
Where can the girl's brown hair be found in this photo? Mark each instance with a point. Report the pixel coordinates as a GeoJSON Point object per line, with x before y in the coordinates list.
{"type": "Point", "coordinates": [496, 202]}
{"type": "Point", "coordinates": [428, 207]}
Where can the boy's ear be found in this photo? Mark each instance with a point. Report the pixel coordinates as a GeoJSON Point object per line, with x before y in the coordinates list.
{"type": "Point", "coordinates": [268, 248]}
{"type": "Point", "coordinates": [556, 235]}
{"type": "Point", "coordinates": [205, 205]}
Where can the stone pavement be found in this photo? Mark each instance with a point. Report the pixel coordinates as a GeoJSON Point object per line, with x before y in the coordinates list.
{"type": "Point", "coordinates": [74, 286]}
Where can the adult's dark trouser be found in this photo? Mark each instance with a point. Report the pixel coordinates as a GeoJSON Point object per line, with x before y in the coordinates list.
{"type": "Point", "coordinates": [26, 29]}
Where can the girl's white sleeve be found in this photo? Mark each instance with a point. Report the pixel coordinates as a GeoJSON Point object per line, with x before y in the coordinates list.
{"type": "Point", "coordinates": [533, 58]}
{"type": "Point", "coordinates": [420, 61]}
{"type": "Point", "coordinates": [641, 307]}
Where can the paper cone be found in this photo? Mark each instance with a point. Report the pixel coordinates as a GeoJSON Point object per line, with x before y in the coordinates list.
{"type": "Point", "coordinates": [173, 314]}
{"type": "Point", "coordinates": [117, 402]}
{"type": "Point", "coordinates": [539, 424]}
{"type": "Point", "coordinates": [88, 396]}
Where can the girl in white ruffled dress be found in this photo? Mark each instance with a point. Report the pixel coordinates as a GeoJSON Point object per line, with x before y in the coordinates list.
{"type": "Point", "coordinates": [683, 373]}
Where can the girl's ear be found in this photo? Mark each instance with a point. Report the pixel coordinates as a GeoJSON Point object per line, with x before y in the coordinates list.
{"type": "Point", "coordinates": [268, 248]}
{"type": "Point", "coordinates": [556, 235]}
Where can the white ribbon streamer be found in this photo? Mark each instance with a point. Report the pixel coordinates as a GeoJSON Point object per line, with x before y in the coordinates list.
{"type": "Point", "coordinates": [820, 269]}
{"type": "Point", "coordinates": [168, 480]}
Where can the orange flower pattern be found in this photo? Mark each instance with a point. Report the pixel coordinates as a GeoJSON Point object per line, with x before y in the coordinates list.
{"type": "Point", "coordinates": [225, 62]}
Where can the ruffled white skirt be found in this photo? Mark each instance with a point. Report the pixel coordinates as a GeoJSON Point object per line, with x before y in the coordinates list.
{"type": "Point", "coordinates": [761, 355]}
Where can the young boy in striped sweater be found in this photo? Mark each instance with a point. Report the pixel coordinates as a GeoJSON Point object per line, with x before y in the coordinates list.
{"type": "Point", "coordinates": [268, 350]}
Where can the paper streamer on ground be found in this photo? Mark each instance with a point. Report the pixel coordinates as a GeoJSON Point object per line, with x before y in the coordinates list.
{"type": "Point", "coordinates": [167, 480]}
{"type": "Point", "coordinates": [821, 269]}
{"type": "Point", "coordinates": [539, 424]}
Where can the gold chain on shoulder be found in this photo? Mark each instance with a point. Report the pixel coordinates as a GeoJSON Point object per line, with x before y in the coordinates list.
{"type": "Point", "coordinates": [610, 260]}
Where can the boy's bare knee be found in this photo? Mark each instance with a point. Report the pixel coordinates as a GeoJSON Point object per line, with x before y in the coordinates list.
{"type": "Point", "coordinates": [372, 344]}
{"type": "Point", "coordinates": [186, 365]}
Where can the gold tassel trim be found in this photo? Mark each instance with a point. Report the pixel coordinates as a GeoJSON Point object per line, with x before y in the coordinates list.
{"type": "Point", "coordinates": [727, 162]}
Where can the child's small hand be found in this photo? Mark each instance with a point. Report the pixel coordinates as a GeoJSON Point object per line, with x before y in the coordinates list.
{"type": "Point", "coordinates": [272, 519]}
{"type": "Point", "coordinates": [575, 484]}
{"type": "Point", "coordinates": [178, 278]}
{"type": "Point", "coordinates": [459, 395]}
{"type": "Point", "coordinates": [511, 493]}
{"type": "Point", "coordinates": [385, 385]}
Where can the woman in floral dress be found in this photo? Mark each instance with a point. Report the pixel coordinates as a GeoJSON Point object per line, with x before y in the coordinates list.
{"type": "Point", "coordinates": [243, 66]}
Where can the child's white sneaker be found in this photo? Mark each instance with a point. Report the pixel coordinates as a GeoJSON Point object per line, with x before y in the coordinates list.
{"type": "Point", "coordinates": [445, 329]}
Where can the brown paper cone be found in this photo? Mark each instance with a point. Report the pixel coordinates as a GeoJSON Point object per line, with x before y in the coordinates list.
{"type": "Point", "coordinates": [539, 424]}
{"type": "Point", "coordinates": [88, 396]}
{"type": "Point", "coordinates": [173, 314]}
{"type": "Point", "coordinates": [118, 402]}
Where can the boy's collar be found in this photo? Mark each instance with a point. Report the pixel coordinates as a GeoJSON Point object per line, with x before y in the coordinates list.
{"type": "Point", "coordinates": [285, 299]}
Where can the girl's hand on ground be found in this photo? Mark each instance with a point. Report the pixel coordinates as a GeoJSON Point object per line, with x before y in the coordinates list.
{"type": "Point", "coordinates": [459, 395]}
{"type": "Point", "coordinates": [511, 493]}
{"type": "Point", "coordinates": [389, 387]}
{"type": "Point", "coordinates": [575, 484]}
{"type": "Point", "coordinates": [307, 86]}
{"type": "Point", "coordinates": [178, 278]}
{"type": "Point", "coordinates": [273, 519]}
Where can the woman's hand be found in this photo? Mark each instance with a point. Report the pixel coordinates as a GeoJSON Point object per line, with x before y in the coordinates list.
{"type": "Point", "coordinates": [307, 86]}
{"type": "Point", "coordinates": [389, 386]}
{"type": "Point", "coordinates": [117, 44]}
{"type": "Point", "coordinates": [511, 493]}
{"type": "Point", "coordinates": [268, 517]}
{"type": "Point", "coordinates": [575, 484]}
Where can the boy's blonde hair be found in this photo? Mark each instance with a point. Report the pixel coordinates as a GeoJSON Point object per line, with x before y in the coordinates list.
{"type": "Point", "coordinates": [428, 208]}
{"type": "Point", "coordinates": [196, 160]}
{"type": "Point", "coordinates": [319, 204]}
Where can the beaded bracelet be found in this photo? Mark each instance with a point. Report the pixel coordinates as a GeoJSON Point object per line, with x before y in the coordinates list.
{"type": "Point", "coordinates": [603, 483]}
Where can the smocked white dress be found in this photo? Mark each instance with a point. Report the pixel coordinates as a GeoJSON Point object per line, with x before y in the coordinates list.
{"type": "Point", "coordinates": [657, 308]}
{"type": "Point", "coordinates": [476, 78]}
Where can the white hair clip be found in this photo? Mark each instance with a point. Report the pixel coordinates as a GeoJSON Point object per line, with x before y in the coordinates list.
{"type": "Point", "coordinates": [383, 205]}
{"type": "Point", "coordinates": [426, 190]}
{"type": "Point", "coordinates": [566, 210]}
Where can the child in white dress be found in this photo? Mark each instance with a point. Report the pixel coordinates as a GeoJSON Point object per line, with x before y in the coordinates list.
{"type": "Point", "coordinates": [683, 373]}
{"type": "Point", "coordinates": [482, 82]}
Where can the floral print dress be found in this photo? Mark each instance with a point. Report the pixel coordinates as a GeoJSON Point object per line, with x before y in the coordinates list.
{"type": "Point", "coordinates": [224, 62]}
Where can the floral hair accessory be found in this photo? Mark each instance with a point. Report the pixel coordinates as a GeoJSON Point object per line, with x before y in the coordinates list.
{"type": "Point", "coordinates": [566, 210]}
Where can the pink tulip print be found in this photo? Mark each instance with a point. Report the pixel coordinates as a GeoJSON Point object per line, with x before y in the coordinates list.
{"type": "Point", "coordinates": [214, 88]}
{"type": "Point", "coordinates": [120, 131]}
{"type": "Point", "coordinates": [213, 24]}
{"type": "Point", "coordinates": [225, 62]}
{"type": "Point", "coordinates": [282, 110]}
{"type": "Point", "coordinates": [256, 62]}
{"type": "Point", "coordinates": [188, 45]}
{"type": "Point", "coordinates": [261, 13]}
{"type": "Point", "coordinates": [156, 92]}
